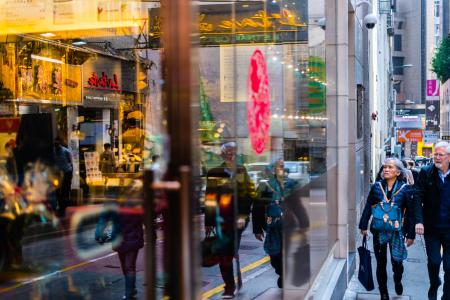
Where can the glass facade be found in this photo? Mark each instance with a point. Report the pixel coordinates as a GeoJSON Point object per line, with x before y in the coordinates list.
{"type": "Point", "coordinates": [101, 166]}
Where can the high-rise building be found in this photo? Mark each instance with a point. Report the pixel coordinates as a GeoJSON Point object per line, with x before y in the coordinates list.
{"type": "Point", "coordinates": [445, 17]}
{"type": "Point", "coordinates": [409, 82]}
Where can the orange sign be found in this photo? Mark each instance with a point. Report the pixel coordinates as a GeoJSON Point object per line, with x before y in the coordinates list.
{"type": "Point", "coordinates": [411, 135]}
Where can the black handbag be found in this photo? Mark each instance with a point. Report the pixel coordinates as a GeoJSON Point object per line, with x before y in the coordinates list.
{"type": "Point", "coordinates": [365, 266]}
{"type": "Point", "coordinates": [213, 249]}
{"type": "Point", "coordinates": [302, 263]}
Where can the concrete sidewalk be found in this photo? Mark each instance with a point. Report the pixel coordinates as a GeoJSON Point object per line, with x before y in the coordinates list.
{"type": "Point", "coordinates": [415, 277]}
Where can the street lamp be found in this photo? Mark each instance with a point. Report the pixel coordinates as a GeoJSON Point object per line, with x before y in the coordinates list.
{"type": "Point", "coordinates": [400, 68]}
{"type": "Point", "coordinates": [403, 66]}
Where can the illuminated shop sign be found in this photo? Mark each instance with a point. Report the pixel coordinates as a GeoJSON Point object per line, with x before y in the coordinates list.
{"type": "Point", "coordinates": [103, 82]}
{"type": "Point", "coordinates": [258, 102]}
{"type": "Point", "coordinates": [108, 81]}
{"type": "Point", "coordinates": [252, 23]}
{"type": "Point", "coordinates": [19, 16]}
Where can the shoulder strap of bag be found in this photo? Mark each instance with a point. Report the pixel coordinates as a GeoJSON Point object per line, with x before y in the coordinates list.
{"type": "Point", "coordinates": [395, 194]}
{"type": "Point", "coordinates": [384, 194]}
{"type": "Point", "coordinates": [398, 191]}
{"type": "Point", "coordinates": [273, 190]}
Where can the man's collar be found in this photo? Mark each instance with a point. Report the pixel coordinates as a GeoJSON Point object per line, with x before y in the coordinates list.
{"type": "Point", "coordinates": [439, 171]}
{"type": "Point", "coordinates": [442, 172]}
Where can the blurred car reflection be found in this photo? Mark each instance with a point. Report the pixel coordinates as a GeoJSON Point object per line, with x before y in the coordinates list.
{"type": "Point", "coordinates": [256, 171]}
{"type": "Point", "coordinates": [298, 170]}
{"type": "Point", "coordinates": [422, 161]}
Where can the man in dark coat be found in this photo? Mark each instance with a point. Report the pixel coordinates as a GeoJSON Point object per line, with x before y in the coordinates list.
{"type": "Point", "coordinates": [222, 181]}
{"type": "Point", "coordinates": [433, 192]}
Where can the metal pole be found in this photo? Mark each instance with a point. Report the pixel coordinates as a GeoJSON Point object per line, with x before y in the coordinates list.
{"type": "Point", "coordinates": [150, 238]}
{"type": "Point", "coordinates": [177, 29]}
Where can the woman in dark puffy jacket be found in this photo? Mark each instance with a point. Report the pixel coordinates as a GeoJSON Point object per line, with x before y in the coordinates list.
{"type": "Point", "coordinates": [131, 238]}
{"type": "Point", "coordinates": [393, 191]}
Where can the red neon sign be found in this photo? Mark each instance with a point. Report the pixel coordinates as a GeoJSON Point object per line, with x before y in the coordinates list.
{"type": "Point", "coordinates": [103, 82]}
{"type": "Point", "coordinates": [258, 102]}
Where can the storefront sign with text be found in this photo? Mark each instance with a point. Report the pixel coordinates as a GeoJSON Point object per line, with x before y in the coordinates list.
{"type": "Point", "coordinates": [103, 82]}
{"type": "Point", "coordinates": [413, 135]}
{"type": "Point", "coordinates": [257, 23]}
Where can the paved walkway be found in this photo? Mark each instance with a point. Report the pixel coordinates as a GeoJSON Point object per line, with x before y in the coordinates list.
{"type": "Point", "coordinates": [415, 278]}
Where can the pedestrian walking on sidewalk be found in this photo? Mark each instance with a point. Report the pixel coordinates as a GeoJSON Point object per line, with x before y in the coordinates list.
{"type": "Point", "coordinates": [267, 214]}
{"type": "Point", "coordinates": [223, 180]}
{"type": "Point", "coordinates": [388, 201]}
{"type": "Point", "coordinates": [127, 237]}
{"type": "Point", "coordinates": [433, 219]}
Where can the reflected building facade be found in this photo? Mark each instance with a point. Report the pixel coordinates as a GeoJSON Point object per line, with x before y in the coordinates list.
{"type": "Point", "coordinates": [167, 85]}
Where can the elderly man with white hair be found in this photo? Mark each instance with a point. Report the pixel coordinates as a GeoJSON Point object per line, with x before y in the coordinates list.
{"type": "Point", "coordinates": [433, 220]}
{"type": "Point", "coordinates": [229, 178]}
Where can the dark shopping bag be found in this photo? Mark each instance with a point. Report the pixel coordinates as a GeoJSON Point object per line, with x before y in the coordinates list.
{"type": "Point", "coordinates": [365, 266]}
{"type": "Point", "coordinates": [210, 255]}
{"type": "Point", "coordinates": [213, 249]}
{"type": "Point", "coordinates": [302, 270]}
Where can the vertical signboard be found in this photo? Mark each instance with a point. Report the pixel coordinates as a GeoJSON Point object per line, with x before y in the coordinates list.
{"type": "Point", "coordinates": [432, 115]}
{"type": "Point", "coordinates": [432, 109]}
{"type": "Point", "coordinates": [432, 89]}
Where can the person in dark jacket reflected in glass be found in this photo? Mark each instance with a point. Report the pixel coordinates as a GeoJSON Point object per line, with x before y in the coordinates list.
{"type": "Point", "coordinates": [127, 235]}
{"type": "Point", "coordinates": [225, 181]}
{"type": "Point", "coordinates": [392, 188]}
{"type": "Point", "coordinates": [267, 216]}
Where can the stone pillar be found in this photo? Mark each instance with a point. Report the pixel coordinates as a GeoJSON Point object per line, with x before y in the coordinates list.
{"type": "Point", "coordinates": [337, 45]}
{"type": "Point", "coordinates": [352, 127]}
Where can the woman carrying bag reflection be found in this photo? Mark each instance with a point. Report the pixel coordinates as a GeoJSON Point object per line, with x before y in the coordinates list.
{"type": "Point", "coordinates": [267, 214]}
{"type": "Point", "coordinates": [390, 200]}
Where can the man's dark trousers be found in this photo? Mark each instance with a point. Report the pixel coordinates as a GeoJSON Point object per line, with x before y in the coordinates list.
{"type": "Point", "coordinates": [226, 262]}
{"type": "Point", "coordinates": [433, 241]}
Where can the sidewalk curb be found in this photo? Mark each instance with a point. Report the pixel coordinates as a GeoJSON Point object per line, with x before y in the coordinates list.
{"type": "Point", "coordinates": [332, 281]}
